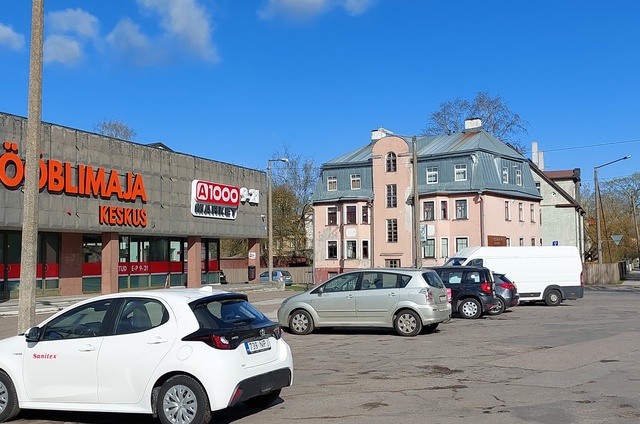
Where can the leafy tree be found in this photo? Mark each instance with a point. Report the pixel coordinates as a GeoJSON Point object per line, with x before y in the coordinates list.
{"type": "Point", "coordinates": [115, 128]}
{"type": "Point", "coordinates": [497, 119]}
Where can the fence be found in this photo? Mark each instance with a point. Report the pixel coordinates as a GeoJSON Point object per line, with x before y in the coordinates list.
{"type": "Point", "coordinates": [301, 275]}
{"type": "Point", "coordinates": [601, 274]}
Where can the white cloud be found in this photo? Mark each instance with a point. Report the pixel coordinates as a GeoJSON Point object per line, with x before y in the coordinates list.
{"type": "Point", "coordinates": [61, 49]}
{"type": "Point", "coordinates": [10, 38]}
{"type": "Point", "coordinates": [73, 21]}
{"type": "Point", "coordinates": [129, 42]}
{"type": "Point", "coordinates": [302, 10]}
{"type": "Point", "coordinates": [187, 22]}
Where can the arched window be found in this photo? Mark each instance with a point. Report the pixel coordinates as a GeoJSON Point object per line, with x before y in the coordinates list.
{"type": "Point", "coordinates": [391, 162]}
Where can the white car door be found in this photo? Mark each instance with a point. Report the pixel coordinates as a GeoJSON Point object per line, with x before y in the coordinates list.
{"type": "Point", "coordinates": [377, 297]}
{"type": "Point", "coordinates": [144, 334]}
{"type": "Point", "coordinates": [336, 304]}
{"type": "Point", "coordinates": [61, 366]}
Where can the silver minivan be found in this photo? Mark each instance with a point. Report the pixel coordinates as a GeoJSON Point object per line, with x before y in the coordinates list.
{"type": "Point", "coordinates": [406, 299]}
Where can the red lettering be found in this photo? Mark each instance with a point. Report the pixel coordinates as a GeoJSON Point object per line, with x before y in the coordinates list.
{"type": "Point", "coordinates": [55, 182]}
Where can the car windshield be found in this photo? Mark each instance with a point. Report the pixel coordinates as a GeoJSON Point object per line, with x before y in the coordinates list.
{"type": "Point", "coordinates": [455, 261]}
{"type": "Point", "coordinates": [227, 313]}
{"type": "Point", "coordinates": [432, 279]}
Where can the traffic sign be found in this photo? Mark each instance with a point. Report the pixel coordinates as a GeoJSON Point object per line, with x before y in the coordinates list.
{"type": "Point", "coordinates": [616, 238]}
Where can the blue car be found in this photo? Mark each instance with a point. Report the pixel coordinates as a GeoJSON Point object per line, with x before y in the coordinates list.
{"type": "Point", "coordinates": [278, 275]}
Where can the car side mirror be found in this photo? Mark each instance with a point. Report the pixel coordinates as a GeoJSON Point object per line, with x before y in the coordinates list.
{"type": "Point", "coordinates": [32, 334]}
{"type": "Point", "coordinates": [320, 291]}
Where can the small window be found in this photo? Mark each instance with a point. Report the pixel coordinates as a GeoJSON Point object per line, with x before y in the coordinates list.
{"type": "Point", "coordinates": [518, 177]}
{"type": "Point", "coordinates": [332, 215]}
{"type": "Point", "coordinates": [390, 162]}
{"type": "Point", "coordinates": [532, 211]}
{"type": "Point", "coordinates": [444, 207]}
{"type": "Point", "coordinates": [429, 249]}
{"type": "Point", "coordinates": [365, 214]}
{"type": "Point", "coordinates": [428, 212]}
{"type": "Point", "coordinates": [432, 175]}
{"type": "Point", "coordinates": [332, 183]}
{"type": "Point", "coordinates": [392, 263]}
{"type": "Point", "coordinates": [461, 243]}
{"type": "Point", "coordinates": [508, 241]}
{"type": "Point", "coordinates": [521, 241]}
{"type": "Point", "coordinates": [444, 247]}
{"type": "Point", "coordinates": [538, 186]}
{"type": "Point", "coordinates": [392, 196]}
{"type": "Point", "coordinates": [520, 211]}
{"type": "Point", "coordinates": [351, 214]}
{"type": "Point", "coordinates": [365, 249]}
{"type": "Point", "coordinates": [351, 249]}
{"type": "Point", "coordinates": [461, 209]}
{"type": "Point", "coordinates": [505, 175]}
{"type": "Point", "coordinates": [332, 249]}
{"type": "Point", "coordinates": [533, 241]}
{"type": "Point", "coordinates": [355, 182]}
{"type": "Point", "coordinates": [392, 230]}
{"type": "Point", "coordinates": [461, 172]}
{"type": "Point", "coordinates": [507, 211]}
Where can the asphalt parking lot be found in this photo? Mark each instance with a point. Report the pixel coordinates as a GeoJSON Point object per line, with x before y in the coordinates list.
{"type": "Point", "coordinates": [576, 363]}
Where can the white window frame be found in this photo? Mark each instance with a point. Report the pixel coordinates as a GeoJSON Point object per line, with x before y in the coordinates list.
{"type": "Point", "coordinates": [446, 210]}
{"type": "Point", "coordinates": [355, 178]}
{"type": "Point", "coordinates": [390, 162]}
{"type": "Point", "coordinates": [507, 210]}
{"type": "Point", "coordinates": [354, 244]}
{"type": "Point", "coordinates": [362, 243]}
{"type": "Point", "coordinates": [364, 208]}
{"type": "Point", "coordinates": [432, 243]}
{"type": "Point", "coordinates": [346, 215]}
{"type": "Point", "coordinates": [532, 211]}
{"type": "Point", "coordinates": [519, 177]}
{"type": "Point", "coordinates": [466, 208]}
{"type": "Point", "coordinates": [432, 172]}
{"type": "Point", "coordinates": [521, 211]}
{"type": "Point", "coordinates": [337, 217]}
{"type": "Point", "coordinates": [332, 181]}
{"type": "Point", "coordinates": [390, 231]}
{"type": "Point", "coordinates": [391, 191]}
{"type": "Point", "coordinates": [337, 249]}
{"type": "Point", "coordinates": [462, 238]}
{"type": "Point", "coordinates": [505, 175]}
{"type": "Point", "coordinates": [444, 247]}
{"type": "Point", "coordinates": [433, 210]}
{"type": "Point", "coordinates": [460, 171]}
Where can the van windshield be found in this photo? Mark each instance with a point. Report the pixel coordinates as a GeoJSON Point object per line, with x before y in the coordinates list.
{"type": "Point", "coordinates": [457, 261]}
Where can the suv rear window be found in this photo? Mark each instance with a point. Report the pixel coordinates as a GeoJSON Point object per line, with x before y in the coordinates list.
{"type": "Point", "coordinates": [227, 313]}
{"type": "Point", "coordinates": [432, 279]}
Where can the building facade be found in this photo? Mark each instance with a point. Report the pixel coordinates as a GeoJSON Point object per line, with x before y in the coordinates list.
{"type": "Point", "coordinates": [116, 215]}
{"type": "Point", "coordinates": [473, 190]}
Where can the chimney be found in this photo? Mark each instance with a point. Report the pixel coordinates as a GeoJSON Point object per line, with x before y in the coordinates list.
{"type": "Point", "coordinates": [472, 124]}
{"type": "Point", "coordinates": [380, 133]}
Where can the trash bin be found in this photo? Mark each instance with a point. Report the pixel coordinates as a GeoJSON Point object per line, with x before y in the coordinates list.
{"type": "Point", "coordinates": [251, 271]}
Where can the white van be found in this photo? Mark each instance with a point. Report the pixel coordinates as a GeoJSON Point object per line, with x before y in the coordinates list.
{"type": "Point", "coordinates": [549, 273]}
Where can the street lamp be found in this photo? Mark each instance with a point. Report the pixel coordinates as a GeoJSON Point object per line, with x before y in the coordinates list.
{"type": "Point", "coordinates": [597, 193]}
{"type": "Point", "coordinates": [270, 210]}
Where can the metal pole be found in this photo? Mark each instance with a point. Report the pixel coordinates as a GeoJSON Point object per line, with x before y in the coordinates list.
{"type": "Point", "coordinates": [635, 224]}
{"type": "Point", "coordinates": [417, 262]}
{"type": "Point", "coordinates": [28, 255]}
{"type": "Point", "coordinates": [597, 193]}
{"type": "Point", "coordinates": [269, 206]}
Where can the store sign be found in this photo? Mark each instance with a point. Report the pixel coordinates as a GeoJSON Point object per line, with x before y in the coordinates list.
{"type": "Point", "coordinates": [81, 180]}
{"type": "Point", "coordinates": [214, 200]}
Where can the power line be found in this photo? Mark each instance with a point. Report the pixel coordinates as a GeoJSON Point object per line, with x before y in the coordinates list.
{"type": "Point", "coordinates": [593, 145]}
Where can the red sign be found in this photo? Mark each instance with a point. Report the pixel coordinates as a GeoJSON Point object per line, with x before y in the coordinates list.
{"type": "Point", "coordinates": [218, 194]}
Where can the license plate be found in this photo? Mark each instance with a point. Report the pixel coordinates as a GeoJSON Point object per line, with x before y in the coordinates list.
{"type": "Point", "coordinates": [257, 346]}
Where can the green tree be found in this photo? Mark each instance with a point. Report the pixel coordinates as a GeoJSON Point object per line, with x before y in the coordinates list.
{"type": "Point", "coordinates": [497, 119]}
{"type": "Point", "coordinates": [115, 128]}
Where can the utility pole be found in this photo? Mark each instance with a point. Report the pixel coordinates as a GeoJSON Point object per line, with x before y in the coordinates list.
{"type": "Point", "coordinates": [416, 208]}
{"type": "Point", "coordinates": [29, 252]}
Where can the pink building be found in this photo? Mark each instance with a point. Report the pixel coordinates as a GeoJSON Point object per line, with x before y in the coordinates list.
{"type": "Point", "coordinates": [473, 190]}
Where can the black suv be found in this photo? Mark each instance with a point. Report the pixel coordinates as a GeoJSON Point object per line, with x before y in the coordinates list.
{"type": "Point", "coordinates": [473, 290]}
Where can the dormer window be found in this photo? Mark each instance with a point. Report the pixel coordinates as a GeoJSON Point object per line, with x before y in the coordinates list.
{"type": "Point", "coordinates": [355, 182]}
{"type": "Point", "coordinates": [518, 177]}
{"type": "Point", "coordinates": [391, 162]}
{"type": "Point", "coordinates": [505, 175]}
{"type": "Point", "coordinates": [461, 172]}
{"type": "Point", "coordinates": [332, 183]}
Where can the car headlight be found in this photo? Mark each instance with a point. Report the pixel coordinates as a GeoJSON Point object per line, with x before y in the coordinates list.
{"type": "Point", "coordinates": [284, 302]}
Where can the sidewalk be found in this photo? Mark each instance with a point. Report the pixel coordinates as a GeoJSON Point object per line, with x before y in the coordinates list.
{"type": "Point", "coordinates": [51, 304]}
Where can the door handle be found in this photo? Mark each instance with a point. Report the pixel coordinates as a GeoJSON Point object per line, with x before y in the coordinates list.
{"type": "Point", "coordinates": [157, 340]}
{"type": "Point", "coordinates": [88, 348]}
{"type": "Point", "coordinates": [349, 296]}
{"type": "Point", "coordinates": [392, 294]}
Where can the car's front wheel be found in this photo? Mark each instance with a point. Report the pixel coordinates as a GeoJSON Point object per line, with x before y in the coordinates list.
{"type": "Point", "coordinates": [470, 309]}
{"type": "Point", "coordinates": [9, 406]}
{"type": "Point", "coordinates": [182, 400]}
{"type": "Point", "coordinates": [263, 401]}
{"type": "Point", "coordinates": [408, 323]}
{"type": "Point", "coordinates": [300, 322]}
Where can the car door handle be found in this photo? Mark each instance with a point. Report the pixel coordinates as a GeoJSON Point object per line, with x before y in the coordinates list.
{"type": "Point", "coordinates": [157, 340]}
{"type": "Point", "coordinates": [392, 294]}
{"type": "Point", "coordinates": [349, 296]}
{"type": "Point", "coordinates": [88, 348]}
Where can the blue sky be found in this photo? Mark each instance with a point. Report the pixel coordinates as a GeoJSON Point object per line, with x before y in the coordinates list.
{"type": "Point", "coordinates": [237, 80]}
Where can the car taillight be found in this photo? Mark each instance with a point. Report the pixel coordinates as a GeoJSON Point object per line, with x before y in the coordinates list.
{"type": "Point", "coordinates": [219, 342]}
{"type": "Point", "coordinates": [486, 287]}
{"type": "Point", "coordinates": [581, 282]}
{"type": "Point", "coordinates": [508, 286]}
{"type": "Point", "coordinates": [428, 294]}
{"type": "Point", "coordinates": [277, 332]}
{"type": "Point", "coordinates": [449, 295]}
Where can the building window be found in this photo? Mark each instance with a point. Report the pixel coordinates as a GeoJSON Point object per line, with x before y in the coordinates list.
{"type": "Point", "coordinates": [533, 241]}
{"type": "Point", "coordinates": [392, 263]}
{"type": "Point", "coordinates": [540, 241]}
{"type": "Point", "coordinates": [505, 175]}
{"type": "Point", "coordinates": [432, 175]}
{"type": "Point", "coordinates": [392, 196]}
{"type": "Point", "coordinates": [507, 211]}
{"type": "Point", "coordinates": [444, 215]}
{"type": "Point", "coordinates": [538, 186]}
{"type": "Point", "coordinates": [355, 182]}
{"type": "Point", "coordinates": [461, 172]}
{"type": "Point", "coordinates": [429, 249]}
{"type": "Point", "coordinates": [365, 214]}
{"type": "Point", "coordinates": [521, 241]}
{"type": "Point", "coordinates": [508, 241]}
{"type": "Point", "coordinates": [532, 210]}
{"type": "Point", "coordinates": [351, 249]}
{"type": "Point", "coordinates": [332, 215]}
{"type": "Point", "coordinates": [332, 249]}
{"type": "Point", "coordinates": [390, 162]}
{"type": "Point", "coordinates": [520, 211]}
{"type": "Point", "coordinates": [351, 214]}
{"type": "Point", "coordinates": [461, 209]}
{"type": "Point", "coordinates": [444, 247]}
{"type": "Point", "coordinates": [332, 183]}
{"type": "Point", "coordinates": [428, 211]}
{"type": "Point", "coordinates": [461, 243]}
{"type": "Point", "coordinates": [518, 177]}
{"type": "Point", "coordinates": [392, 230]}
{"type": "Point", "coordinates": [365, 249]}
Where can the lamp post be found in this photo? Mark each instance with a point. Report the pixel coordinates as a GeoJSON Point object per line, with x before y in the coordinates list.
{"type": "Point", "coordinates": [597, 193]}
{"type": "Point", "coordinates": [270, 212]}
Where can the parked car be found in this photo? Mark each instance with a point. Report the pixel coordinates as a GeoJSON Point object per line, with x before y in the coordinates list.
{"type": "Point", "coordinates": [176, 354]}
{"type": "Point", "coordinates": [278, 275]}
{"type": "Point", "coordinates": [506, 292]}
{"type": "Point", "coordinates": [472, 289]}
{"type": "Point", "coordinates": [408, 300]}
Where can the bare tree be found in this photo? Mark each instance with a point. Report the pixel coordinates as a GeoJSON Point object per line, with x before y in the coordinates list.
{"type": "Point", "coordinates": [116, 128]}
{"type": "Point", "coordinates": [497, 119]}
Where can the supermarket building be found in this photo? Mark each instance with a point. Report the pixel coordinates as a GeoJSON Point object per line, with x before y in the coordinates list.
{"type": "Point", "coordinates": [116, 215]}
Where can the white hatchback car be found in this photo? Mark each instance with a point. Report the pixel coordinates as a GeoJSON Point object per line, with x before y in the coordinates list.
{"type": "Point", "coordinates": [177, 354]}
